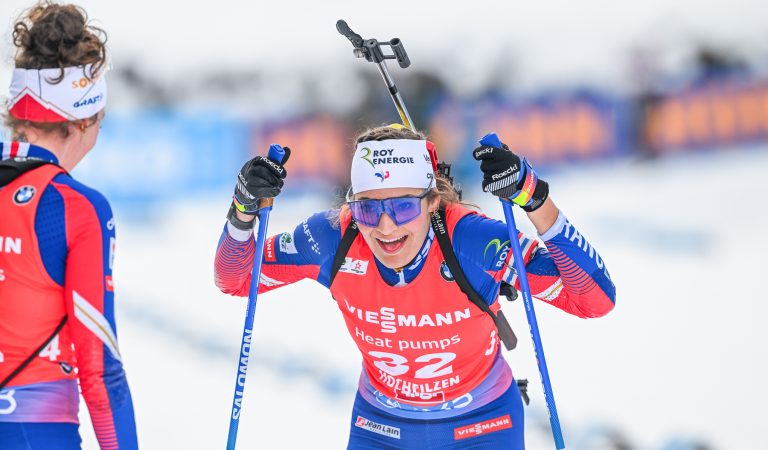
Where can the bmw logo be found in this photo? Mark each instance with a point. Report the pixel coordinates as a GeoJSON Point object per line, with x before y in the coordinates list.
{"type": "Point", "coordinates": [445, 272]}
{"type": "Point", "coordinates": [24, 194]}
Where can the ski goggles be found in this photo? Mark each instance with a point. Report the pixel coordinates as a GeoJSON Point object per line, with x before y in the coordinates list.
{"type": "Point", "coordinates": [401, 209]}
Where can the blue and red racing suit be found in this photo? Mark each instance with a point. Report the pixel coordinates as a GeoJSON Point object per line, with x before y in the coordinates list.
{"type": "Point", "coordinates": [57, 243]}
{"type": "Point", "coordinates": [429, 354]}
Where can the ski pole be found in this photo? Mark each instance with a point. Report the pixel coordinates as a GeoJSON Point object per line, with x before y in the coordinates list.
{"type": "Point", "coordinates": [276, 153]}
{"type": "Point", "coordinates": [492, 140]}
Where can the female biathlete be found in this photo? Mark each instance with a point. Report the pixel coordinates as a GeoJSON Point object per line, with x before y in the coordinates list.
{"type": "Point", "coordinates": [433, 373]}
{"type": "Point", "coordinates": [57, 243]}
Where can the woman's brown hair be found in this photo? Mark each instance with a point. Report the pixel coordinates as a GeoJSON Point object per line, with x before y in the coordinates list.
{"type": "Point", "coordinates": [53, 36]}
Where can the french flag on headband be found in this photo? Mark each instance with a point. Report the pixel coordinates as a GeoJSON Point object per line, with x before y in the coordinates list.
{"type": "Point", "coordinates": [13, 149]}
{"type": "Point", "coordinates": [36, 96]}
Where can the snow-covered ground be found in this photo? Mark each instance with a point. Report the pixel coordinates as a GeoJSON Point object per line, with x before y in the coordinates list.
{"type": "Point", "coordinates": [681, 356]}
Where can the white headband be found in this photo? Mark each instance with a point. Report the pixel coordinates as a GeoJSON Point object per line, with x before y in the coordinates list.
{"type": "Point", "coordinates": [35, 97]}
{"type": "Point", "coordinates": [394, 163]}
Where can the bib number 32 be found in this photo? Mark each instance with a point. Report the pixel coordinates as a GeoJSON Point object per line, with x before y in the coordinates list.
{"type": "Point", "coordinates": [395, 365]}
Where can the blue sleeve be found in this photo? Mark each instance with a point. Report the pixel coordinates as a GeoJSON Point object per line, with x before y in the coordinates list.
{"type": "Point", "coordinates": [50, 230]}
{"type": "Point", "coordinates": [311, 247]}
{"type": "Point", "coordinates": [581, 268]}
{"type": "Point", "coordinates": [89, 294]}
{"type": "Point", "coordinates": [568, 273]}
{"type": "Point", "coordinates": [483, 249]}
{"type": "Point", "coordinates": [305, 252]}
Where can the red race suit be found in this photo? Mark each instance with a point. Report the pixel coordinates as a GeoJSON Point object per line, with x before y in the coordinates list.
{"type": "Point", "coordinates": [428, 351]}
{"type": "Point", "coordinates": [57, 242]}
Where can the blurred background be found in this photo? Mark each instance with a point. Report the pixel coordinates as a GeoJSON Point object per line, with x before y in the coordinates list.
{"type": "Point", "coordinates": [649, 120]}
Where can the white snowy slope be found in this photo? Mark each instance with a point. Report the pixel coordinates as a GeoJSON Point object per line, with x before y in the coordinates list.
{"type": "Point", "coordinates": [682, 355]}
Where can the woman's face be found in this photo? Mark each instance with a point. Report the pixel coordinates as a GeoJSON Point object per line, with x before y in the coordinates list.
{"type": "Point", "coordinates": [393, 245]}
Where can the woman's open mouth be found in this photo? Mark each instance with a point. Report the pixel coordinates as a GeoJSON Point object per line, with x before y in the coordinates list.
{"type": "Point", "coordinates": [392, 246]}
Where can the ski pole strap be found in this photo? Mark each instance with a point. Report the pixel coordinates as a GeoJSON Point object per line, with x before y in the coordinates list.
{"type": "Point", "coordinates": [341, 252]}
{"type": "Point", "coordinates": [34, 354]}
{"type": "Point", "coordinates": [506, 334]}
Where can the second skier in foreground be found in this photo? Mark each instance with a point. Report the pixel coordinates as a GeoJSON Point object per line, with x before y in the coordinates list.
{"type": "Point", "coordinates": [433, 374]}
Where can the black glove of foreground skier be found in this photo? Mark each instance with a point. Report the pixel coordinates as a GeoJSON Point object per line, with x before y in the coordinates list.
{"type": "Point", "coordinates": [259, 178]}
{"type": "Point", "coordinates": [508, 176]}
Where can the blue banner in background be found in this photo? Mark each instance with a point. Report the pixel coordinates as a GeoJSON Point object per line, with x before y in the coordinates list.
{"type": "Point", "coordinates": [549, 129]}
{"type": "Point", "coordinates": [164, 156]}
{"type": "Point", "coordinates": [147, 157]}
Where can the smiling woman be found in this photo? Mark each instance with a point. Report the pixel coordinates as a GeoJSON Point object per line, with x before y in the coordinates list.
{"type": "Point", "coordinates": [416, 276]}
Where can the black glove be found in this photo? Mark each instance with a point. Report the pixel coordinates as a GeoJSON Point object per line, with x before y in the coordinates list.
{"type": "Point", "coordinates": [508, 176]}
{"type": "Point", "coordinates": [259, 178]}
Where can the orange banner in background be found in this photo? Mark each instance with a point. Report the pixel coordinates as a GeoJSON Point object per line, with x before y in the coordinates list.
{"type": "Point", "coordinates": [575, 130]}
{"type": "Point", "coordinates": [715, 115]}
{"type": "Point", "coordinates": [448, 131]}
{"type": "Point", "coordinates": [321, 147]}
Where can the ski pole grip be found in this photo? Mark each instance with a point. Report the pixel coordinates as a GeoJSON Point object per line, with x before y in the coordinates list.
{"type": "Point", "coordinates": [276, 154]}
{"type": "Point", "coordinates": [491, 140]}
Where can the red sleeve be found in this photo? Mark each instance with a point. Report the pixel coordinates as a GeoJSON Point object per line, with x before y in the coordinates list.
{"type": "Point", "coordinates": [306, 252]}
{"type": "Point", "coordinates": [570, 274]}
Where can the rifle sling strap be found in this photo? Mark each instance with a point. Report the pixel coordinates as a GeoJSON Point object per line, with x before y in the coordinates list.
{"type": "Point", "coordinates": [506, 334]}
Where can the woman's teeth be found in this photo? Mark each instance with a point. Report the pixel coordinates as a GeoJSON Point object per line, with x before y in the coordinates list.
{"type": "Point", "coordinates": [392, 245]}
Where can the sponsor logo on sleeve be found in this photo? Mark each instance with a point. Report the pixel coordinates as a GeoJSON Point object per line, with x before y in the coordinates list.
{"type": "Point", "coordinates": [314, 245]}
{"type": "Point", "coordinates": [378, 428]}
{"type": "Point", "coordinates": [355, 266]}
{"type": "Point", "coordinates": [480, 428]}
{"type": "Point", "coordinates": [269, 250]}
{"type": "Point", "coordinates": [498, 254]}
{"type": "Point", "coordinates": [108, 284]}
{"type": "Point", "coordinates": [24, 195]}
{"type": "Point", "coordinates": [287, 244]}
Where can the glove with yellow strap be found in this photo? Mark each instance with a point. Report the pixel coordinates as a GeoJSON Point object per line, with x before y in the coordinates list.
{"type": "Point", "coordinates": [508, 176]}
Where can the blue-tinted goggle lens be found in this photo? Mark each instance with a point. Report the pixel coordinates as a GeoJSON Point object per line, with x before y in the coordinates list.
{"type": "Point", "coordinates": [401, 209]}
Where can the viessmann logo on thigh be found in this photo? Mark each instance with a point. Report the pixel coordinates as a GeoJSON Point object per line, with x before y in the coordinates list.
{"type": "Point", "coordinates": [476, 429]}
{"type": "Point", "coordinates": [384, 430]}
